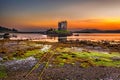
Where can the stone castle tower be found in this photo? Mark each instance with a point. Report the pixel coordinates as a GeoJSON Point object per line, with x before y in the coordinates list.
{"type": "Point", "coordinates": [62, 25]}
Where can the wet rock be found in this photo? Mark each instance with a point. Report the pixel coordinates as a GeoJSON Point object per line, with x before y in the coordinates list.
{"type": "Point", "coordinates": [77, 49]}
{"type": "Point", "coordinates": [107, 79]}
{"type": "Point", "coordinates": [1, 59]}
{"type": "Point", "coordinates": [97, 48]}
{"type": "Point", "coordinates": [23, 64]}
{"type": "Point", "coordinates": [116, 58]}
{"type": "Point", "coordinates": [46, 48]}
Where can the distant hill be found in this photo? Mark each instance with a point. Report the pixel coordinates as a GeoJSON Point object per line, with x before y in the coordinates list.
{"type": "Point", "coordinates": [4, 29]}
{"type": "Point", "coordinates": [111, 31]}
{"type": "Point", "coordinates": [97, 31]}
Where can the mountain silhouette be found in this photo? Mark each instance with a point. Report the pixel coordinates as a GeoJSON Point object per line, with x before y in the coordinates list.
{"type": "Point", "coordinates": [97, 31]}
{"type": "Point", "coordinates": [4, 29]}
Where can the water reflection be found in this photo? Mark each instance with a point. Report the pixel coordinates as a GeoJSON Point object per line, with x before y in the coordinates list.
{"type": "Point", "coordinates": [81, 36]}
{"type": "Point", "coordinates": [62, 38]}
{"type": "Point", "coordinates": [59, 38]}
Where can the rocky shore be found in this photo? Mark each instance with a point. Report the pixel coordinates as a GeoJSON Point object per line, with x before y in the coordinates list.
{"type": "Point", "coordinates": [83, 61]}
{"type": "Point", "coordinates": [18, 69]}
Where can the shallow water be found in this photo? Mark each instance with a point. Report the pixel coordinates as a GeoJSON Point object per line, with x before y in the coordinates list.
{"type": "Point", "coordinates": [80, 36]}
{"type": "Point", "coordinates": [96, 36]}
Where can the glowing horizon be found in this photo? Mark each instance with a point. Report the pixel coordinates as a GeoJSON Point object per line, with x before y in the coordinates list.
{"type": "Point", "coordinates": [80, 14]}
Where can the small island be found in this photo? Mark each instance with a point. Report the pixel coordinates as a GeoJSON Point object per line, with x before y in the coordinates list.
{"type": "Point", "coordinates": [61, 31]}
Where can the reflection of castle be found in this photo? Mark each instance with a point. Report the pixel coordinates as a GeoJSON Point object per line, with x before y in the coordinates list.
{"type": "Point", "coordinates": [62, 25]}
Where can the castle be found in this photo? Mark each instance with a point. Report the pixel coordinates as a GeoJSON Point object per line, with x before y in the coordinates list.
{"type": "Point", "coordinates": [62, 25]}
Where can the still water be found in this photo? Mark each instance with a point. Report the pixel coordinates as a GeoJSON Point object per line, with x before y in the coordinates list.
{"type": "Point", "coordinates": [75, 36]}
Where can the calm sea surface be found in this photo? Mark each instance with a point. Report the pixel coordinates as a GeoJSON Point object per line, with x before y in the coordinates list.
{"type": "Point", "coordinates": [75, 36]}
{"type": "Point", "coordinates": [96, 36]}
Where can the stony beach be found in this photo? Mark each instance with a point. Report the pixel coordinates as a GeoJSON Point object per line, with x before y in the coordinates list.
{"type": "Point", "coordinates": [71, 60]}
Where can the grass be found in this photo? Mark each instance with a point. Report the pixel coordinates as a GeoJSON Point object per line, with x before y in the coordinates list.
{"type": "Point", "coordinates": [3, 73]}
{"type": "Point", "coordinates": [32, 53]}
{"type": "Point", "coordinates": [66, 55]}
{"type": "Point", "coordinates": [36, 53]}
{"type": "Point", "coordinates": [87, 59]}
{"type": "Point", "coordinates": [108, 63]}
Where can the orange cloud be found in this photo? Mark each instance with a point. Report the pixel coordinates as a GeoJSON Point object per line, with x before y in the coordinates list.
{"type": "Point", "coordinates": [96, 23]}
{"type": "Point", "coordinates": [103, 24]}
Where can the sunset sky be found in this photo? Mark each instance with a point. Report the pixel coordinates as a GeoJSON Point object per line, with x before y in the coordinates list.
{"type": "Point", "coordinates": [33, 15]}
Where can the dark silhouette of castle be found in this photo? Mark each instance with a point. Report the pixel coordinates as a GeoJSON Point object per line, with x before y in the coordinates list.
{"type": "Point", "coordinates": [62, 25]}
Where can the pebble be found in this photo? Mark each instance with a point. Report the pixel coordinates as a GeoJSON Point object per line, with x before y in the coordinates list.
{"type": "Point", "coordinates": [1, 59]}
{"type": "Point", "coordinates": [45, 48]}
{"type": "Point", "coordinates": [23, 63]}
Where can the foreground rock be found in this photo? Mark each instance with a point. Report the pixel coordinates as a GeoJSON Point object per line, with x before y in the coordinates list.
{"type": "Point", "coordinates": [22, 64]}
{"type": "Point", "coordinates": [18, 69]}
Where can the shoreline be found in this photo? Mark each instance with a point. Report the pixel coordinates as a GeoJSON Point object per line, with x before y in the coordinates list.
{"type": "Point", "coordinates": [74, 37]}
{"type": "Point", "coordinates": [71, 60]}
